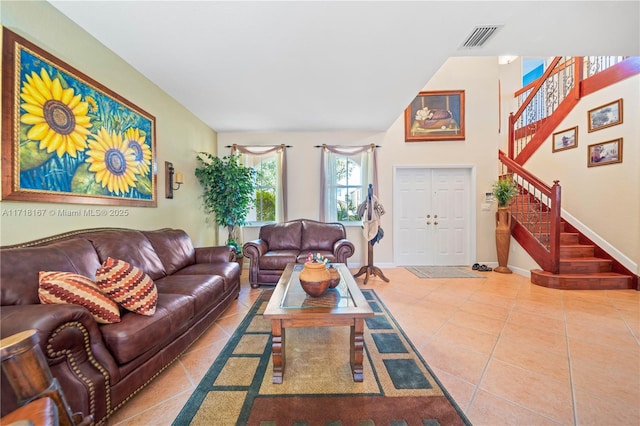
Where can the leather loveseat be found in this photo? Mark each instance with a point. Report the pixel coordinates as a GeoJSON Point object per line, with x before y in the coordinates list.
{"type": "Point", "coordinates": [100, 366]}
{"type": "Point", "coordinates": [291, 242]}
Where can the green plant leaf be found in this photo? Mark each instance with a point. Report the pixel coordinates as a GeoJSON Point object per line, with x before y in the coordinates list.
{"type": "Point", "coordinates": [228, 189]}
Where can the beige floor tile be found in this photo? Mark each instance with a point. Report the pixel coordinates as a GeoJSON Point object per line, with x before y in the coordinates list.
{"type": "Point", "coordinates": [534, 391]}
{"type": "Point", "coordinates": [491, 410]}
{"type": "Point", "coordinates": [197, 363]}
{"type": "Point", "coordinates": [540, 308]}
{"type": "Point", "coordinates": [477, 322]}
{"type": "Point", "coordinates": [525, 318]}
{"type": "Point", "coordinates": [551, 340]}
{"type": "Point", "coordinates": [607, 379]}
{"type": "Point", "coordinates": [475, 340]}
{"type": "Point", "coordinates": [161, 414]}
{"type": "Point", "coordinates": [602, 333]}
{"type": "Point", "coordinates": [172, 382]}
{"type": "Point", "coordinates": [533, 358]}
{"type": "Point", "coordinates": [607, 356]}
{"type": "Point", "coordinates": [599, 408]}
{"type": "Point", "coordinates": [494, 299]}
{"type": "Point", "coordinates": [460, 390]}
{"type": "Point", "coordinates": [457, 360]}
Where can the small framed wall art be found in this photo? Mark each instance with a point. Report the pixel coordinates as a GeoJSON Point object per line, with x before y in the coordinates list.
{"type": "Point", "coordinates": [603, 153]}
{"type": "Point", "coordinates": [605, 116]}
{"type": "Point", "coordinates": [565, 139]}
{"type": "Point", "coordinates": [435, 116]}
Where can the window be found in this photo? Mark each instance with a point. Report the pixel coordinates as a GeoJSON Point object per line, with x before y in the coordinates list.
{"type": "Point", "coordinates": [348, 188]}
{"type": "Point", "coordinates": [347, 172]}
{"type": "Point", "coordinates": [270, 184]}
{"type": "Point", "coordinates": [264, 209]}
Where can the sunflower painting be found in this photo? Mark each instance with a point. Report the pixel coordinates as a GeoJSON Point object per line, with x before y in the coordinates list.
{"type": "Point", "coordinates": [72, 139]}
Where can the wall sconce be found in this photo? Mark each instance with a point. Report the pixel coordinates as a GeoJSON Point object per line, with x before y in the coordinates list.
{"type": "Point", "coordinates": [171, 177]}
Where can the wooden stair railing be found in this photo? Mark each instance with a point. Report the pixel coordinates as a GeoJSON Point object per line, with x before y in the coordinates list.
{"type": "Point", "coordinates": [547, 101]}
{"type": "Point", "coordinates": [537, 215]}
{"type": "Point", "coordinates": [568, 259]}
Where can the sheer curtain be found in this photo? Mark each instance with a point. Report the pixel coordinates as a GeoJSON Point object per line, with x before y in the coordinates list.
{"type": "Point", "coordinates": [250, 156]}
{"type": "Point", "coordinates": [365, 155]}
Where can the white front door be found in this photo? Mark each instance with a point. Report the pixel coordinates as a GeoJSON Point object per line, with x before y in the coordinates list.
{"type": "Point", "coordinates": [432, 211]}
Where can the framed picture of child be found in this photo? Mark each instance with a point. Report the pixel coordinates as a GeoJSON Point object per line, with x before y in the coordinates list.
{"type": "Point", "coordinates": [435, 116]}
{"type": "Point", "coordinates": [603, 153]}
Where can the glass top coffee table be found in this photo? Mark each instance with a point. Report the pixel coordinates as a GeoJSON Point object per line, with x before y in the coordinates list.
{"type": "Point", "coordinates": [290, 306]}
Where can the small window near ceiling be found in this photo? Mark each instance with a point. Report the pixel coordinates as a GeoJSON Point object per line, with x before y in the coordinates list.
{"type": "Point", "coordinates": [532, 69]}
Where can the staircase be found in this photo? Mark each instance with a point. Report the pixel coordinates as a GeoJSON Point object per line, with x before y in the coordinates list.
{"type": "Point", "coordinates": [580, 269]}
{"type": "Point", "coordinates": [569, 260]}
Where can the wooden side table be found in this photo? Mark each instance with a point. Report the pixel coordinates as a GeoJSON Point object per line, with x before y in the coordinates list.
{"type": "Point", "coordinates": [40, 412]}
{"type": "Point", "coordinates": [28, 373]}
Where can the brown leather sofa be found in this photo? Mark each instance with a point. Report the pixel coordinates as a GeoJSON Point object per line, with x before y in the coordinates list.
{"type": "Point", "coordinates": [101, 366]}
{"type": "Point", "coordinates": [291, 242]}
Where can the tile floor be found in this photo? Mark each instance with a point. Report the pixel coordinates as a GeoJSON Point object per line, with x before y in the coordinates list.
{"type": "Point", "coordinates": [509, 352]}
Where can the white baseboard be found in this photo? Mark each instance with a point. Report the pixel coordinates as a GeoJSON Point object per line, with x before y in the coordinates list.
{"type": "Point", "coordinates": [601, 242]}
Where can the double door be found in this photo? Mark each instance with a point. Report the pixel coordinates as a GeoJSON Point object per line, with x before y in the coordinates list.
{"type": "Point", "coordinates": [432, 218]}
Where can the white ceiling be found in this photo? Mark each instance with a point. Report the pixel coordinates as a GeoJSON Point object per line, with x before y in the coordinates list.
{"type": "Point", "coordinates": [332, 65]}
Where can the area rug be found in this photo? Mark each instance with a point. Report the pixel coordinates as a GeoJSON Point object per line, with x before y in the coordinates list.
{"type": "Point", "coordinates": [442, 272]}
{"type": "Point", "coordinates": [399, 388]}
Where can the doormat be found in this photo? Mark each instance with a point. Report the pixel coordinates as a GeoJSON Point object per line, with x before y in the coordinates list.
{"type": "Point", "coordinates": [442, 272]}
{"type": "Point", "coordinates": [399, 388]}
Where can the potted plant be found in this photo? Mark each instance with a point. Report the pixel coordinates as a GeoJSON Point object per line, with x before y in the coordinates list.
{"type": "Point", "coordinates": [228, 193]}
{"type": "Point", "coordinates": [504, 189]}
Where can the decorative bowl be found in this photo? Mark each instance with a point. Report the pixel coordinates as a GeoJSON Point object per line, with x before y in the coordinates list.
{"type": "Point", "coordinates": [315, 278]}
{"type": "Point", "coordinates": [335, 277]}
{"type": "Point", "coordinates": [315, 288]}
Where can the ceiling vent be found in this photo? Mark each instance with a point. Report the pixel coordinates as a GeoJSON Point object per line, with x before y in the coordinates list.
{"type": "Point", "coordinates": [479, 36]}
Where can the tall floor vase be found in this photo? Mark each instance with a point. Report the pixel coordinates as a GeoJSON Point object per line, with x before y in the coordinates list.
{"type": "Point", "coordinates": [503, 239]}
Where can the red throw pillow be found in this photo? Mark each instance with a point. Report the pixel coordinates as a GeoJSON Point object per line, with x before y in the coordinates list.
{"type": "Point", "coordinates": [127, 285]}
{"type": "Point", "coordinates": [69, 288]}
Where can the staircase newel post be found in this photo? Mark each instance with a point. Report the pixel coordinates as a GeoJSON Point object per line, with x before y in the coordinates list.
{"type": "Point", "coordinates": [578, 73]}
{"type": "Point", "coordinates": [512, 141]}
{"type": "Point", "coordinates": [555, 227]}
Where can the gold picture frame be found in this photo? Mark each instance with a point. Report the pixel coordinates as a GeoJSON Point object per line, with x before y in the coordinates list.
{"type": "Point", "coordinates": [565, 139]}
{"type": "Point", "coordinates": [68, 139]}
{"type": "Point", "coordinates": [435, 116]}
{"type": "Point", "coordinates": [604, 153]}
{"type": "Point", "coordinates": [604, 116]}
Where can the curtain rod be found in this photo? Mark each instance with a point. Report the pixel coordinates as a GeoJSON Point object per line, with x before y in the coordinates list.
{"type": "Point", "coordinates": [231, 146]}
{"type": "Point", "coordinates": [346, 146]}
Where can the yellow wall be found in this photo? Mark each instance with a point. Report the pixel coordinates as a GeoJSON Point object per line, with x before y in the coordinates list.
{"type": "Point", "coordinates": [179, 134]}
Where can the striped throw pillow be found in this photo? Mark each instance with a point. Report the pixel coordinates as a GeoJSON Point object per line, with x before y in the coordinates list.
{"type": "Point", "coordinates": [127, 285]}
{"type": "Point", "coordinates": [69, 288]}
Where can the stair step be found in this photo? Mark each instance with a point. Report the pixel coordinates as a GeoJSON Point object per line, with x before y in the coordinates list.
{"type": "Point", "coordinates": [576, 250]}
{"type": "Point", "coordinates": [584, 265]}
{"type": "Point", "coordinates": [569, 238]}
{"type": "Point", "coordinates": [597, 281]}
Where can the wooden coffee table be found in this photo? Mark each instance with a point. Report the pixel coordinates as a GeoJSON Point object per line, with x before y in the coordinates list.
{"type": "Point", "coordinates": [290, 306]}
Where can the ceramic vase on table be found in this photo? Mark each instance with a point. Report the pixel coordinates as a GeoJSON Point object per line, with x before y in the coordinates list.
{"type": "Point", "coordinates": [503, 239]}
{"type": "Point", "coordinates": [315, 278]}
{"type": "Point", "coordinates": [335, 277]}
